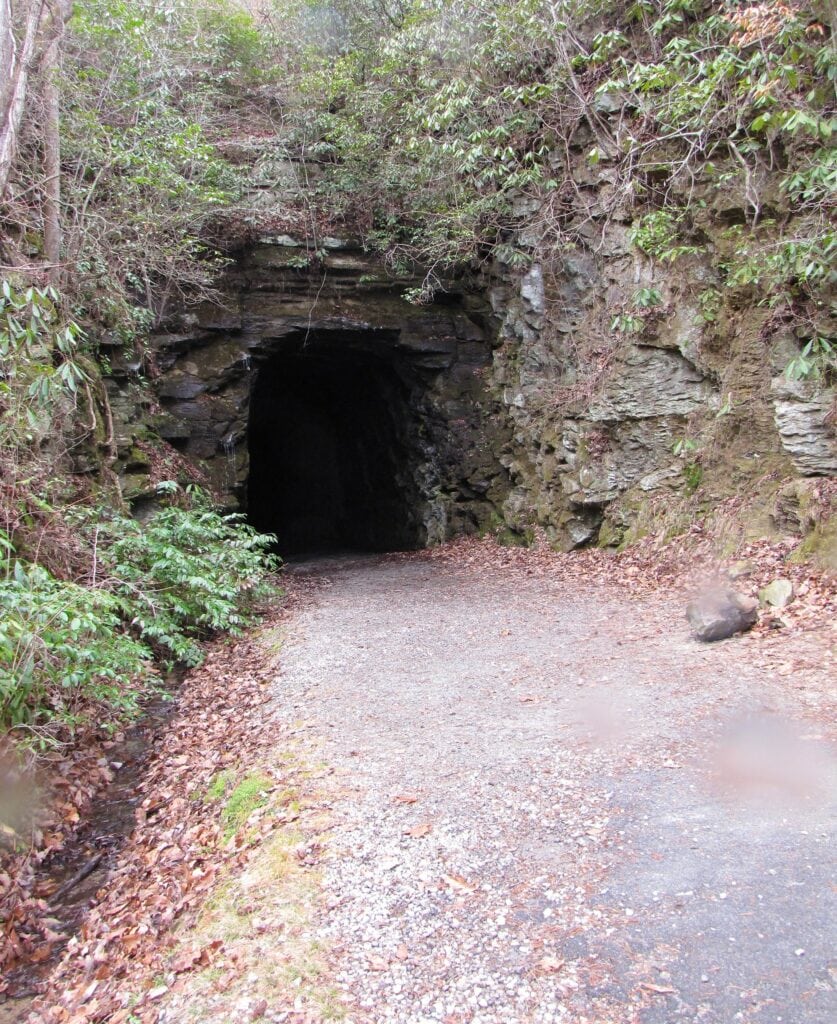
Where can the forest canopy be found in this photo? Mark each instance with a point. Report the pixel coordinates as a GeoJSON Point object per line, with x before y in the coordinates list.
{"type": "Point", "coordinates": [429, 127]}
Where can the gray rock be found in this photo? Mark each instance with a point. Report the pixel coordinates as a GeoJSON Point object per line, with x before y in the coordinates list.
{"type": "Point", "coordinates": [777, 594]}
{"type": "Point", "coordinates": [604, 465]}
{"type": "Point", "coordinates": [531, 289]}
{"type": "Point", "coordinates": [283, 240]}
{"type": "Point", "coordinates": [523, 206]}
{"type": "Point", "coordinates": [181, 386]}
{"type": "Point", "coordinates": [721, 614]}
{"type": "Point", "coordinates": [801, 413]}
{"type": "Point", "coordinates": [650, 382]}
{"type": "Point", "coordinates": [608, 102]}
{"type": "Point", "coordinates": [740, 569]}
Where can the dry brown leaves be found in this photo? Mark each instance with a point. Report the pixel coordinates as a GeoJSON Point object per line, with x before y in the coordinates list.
{"type": "Point", "coordinates": [424, 828]}
{"type": "Point", "coordinates": [176, 853]}
{"type": "Point", "coordinates": [676, 567]}
{"type": "Point", "coordinates": [56, 798]}
{"type": "Point", "coordinates": [760, 21]}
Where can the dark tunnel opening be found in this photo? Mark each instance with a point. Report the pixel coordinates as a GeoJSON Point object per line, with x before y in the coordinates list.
{"type": "Point", "coordinates": [328, 449]}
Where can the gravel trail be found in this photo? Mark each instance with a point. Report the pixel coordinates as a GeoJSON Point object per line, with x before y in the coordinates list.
{"type": "Point", "coordinates": [558, 807]}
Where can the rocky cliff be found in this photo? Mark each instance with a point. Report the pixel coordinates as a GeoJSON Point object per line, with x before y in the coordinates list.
{"type": "Point", "coordinates": [544, 396]}
{"type": "Point", "coordinates": [642, 396]}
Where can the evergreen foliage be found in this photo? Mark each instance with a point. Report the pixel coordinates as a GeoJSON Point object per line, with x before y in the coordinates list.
{"type": "Point", "coordinates": [459, 122]}
{"type": "Point", "coordinates": [80, 651]}
{"type": "Point", "coordinates": [76, 643]}
{"type": "Point", "coordinates": [186, 572]}
{"type": "Point", "coordinates": [444, 132]}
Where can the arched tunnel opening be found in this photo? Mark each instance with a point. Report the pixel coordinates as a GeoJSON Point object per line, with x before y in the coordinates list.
{"type": "Point", "coordinates": [328, 437]}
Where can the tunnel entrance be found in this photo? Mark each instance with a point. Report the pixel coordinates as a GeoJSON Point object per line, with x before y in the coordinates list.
{"type": "Point", "coordinates": [328, 439]}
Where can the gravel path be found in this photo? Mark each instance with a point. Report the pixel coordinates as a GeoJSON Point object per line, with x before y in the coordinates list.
{"type": "Point", "coordinates": [559, 807]}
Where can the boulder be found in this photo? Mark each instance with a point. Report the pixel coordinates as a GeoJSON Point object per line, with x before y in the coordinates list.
{"type": "Point", "coordinates": [777, 594]}
{"type": "Point", "coordinates": [721, 613]}
{"type": "Point", "coordinates": [741, 569]}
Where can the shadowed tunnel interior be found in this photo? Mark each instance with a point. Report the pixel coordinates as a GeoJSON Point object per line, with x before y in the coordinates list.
{"type": "Point", "coordinates": [329, 457]}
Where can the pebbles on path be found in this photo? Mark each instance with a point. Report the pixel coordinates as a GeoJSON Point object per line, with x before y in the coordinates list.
{"type": "Point", "coordinates": [540, 814]}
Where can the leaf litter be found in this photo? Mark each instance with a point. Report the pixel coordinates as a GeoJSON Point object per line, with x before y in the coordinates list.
{"type": "Point", "coordinates": [127, 960]}
{"type": "Point", "coordinates": [177, 855]}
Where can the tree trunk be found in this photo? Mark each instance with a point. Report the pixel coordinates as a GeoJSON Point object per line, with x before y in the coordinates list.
{"type": "Point", "coordinates": [52, 151]}
{"type": "Point", "coordinates": [7, 50]}
{"type": "Point", "coordinates": [17, 63]}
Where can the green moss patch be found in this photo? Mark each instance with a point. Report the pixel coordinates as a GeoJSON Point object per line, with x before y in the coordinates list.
{"type": "Point", "coordinates": [248, 795]}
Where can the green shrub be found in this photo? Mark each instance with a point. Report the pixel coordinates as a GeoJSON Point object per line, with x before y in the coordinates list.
{"type": "Point", "coordinates": [39, 368]}
{"type": "Point", "coordinates": [73, 651]}
{"type": "Point", "coordinates": [182, 575]}
{"type": "Point", "coordinates": [63, 654]}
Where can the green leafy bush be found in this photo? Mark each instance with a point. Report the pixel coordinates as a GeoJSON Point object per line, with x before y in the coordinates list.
{"type": "Point", "coordinates": [448, 130]}
{"type": "Point", "coordinates": [63, 653]}
{"type": "Point", "coordinates": [183, 574]}
{"type": "Point", "coordinates": [76, 651]}
{"type": "Point", "coordinates": [38, 362]}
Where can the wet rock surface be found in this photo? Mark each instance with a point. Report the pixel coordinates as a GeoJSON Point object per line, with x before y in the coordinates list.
{"type": "Point", "coordinates": [557, 807]}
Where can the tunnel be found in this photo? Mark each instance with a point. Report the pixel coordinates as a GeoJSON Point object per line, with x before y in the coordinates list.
{"type": "Point", "coordinates": [329, 447]}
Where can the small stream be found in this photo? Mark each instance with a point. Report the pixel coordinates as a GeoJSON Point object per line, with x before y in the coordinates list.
{"type": "Point", "coordinates": [76, 873]}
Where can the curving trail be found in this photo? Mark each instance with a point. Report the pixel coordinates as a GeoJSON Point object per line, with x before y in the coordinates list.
{"type": "Point", "coordinates": [557, 807]}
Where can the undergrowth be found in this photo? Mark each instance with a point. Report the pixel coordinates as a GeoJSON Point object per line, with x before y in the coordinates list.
{"type": "Point", "coordinates": [93, 600]}
{"type": "Point", "coordinates": [83, 651]}
{"type": "Point", "coordinates": [457, 130]}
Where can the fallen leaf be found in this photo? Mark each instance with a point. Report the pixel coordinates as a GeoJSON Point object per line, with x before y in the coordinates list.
{"type": "Point", "coordinates": [660, 990]}
{"type": "Point", "coordinates": [185, 961]}
{"type": "Point", "coordinates": [419, 831]}
{"type": "Point", "coordinates": [259, 1009]}
{"type": "Point", "coordinates": [458, 882]}
{"type": "Point", "coordinates": [551, 964]}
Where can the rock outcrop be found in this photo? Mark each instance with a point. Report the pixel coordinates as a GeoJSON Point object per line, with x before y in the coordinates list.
{"type": "Point", "coordinates": [280, 299]}
{"type": "Point", "coordinates": [522, 398]}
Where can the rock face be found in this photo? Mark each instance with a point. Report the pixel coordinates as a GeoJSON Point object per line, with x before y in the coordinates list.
{"type": "Point", "coordinates": [390, 399]}
{"type": "Point", "coordinates": [777, 594]}
{"type": "Point", "coordinates": [802, 419]}
{"type": "Point", "coordinates": [520, 398]}
{"type": "Point", "coordinates": [612, 424]}
{"type": "Point", "coordinates": [718, 615]}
